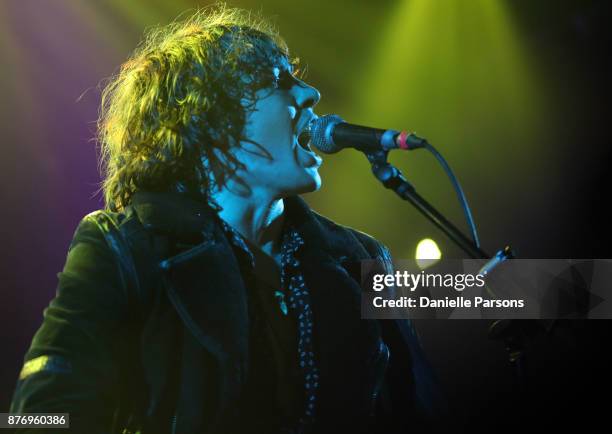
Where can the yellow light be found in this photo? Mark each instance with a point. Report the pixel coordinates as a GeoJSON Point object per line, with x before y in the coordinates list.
{"type": "Point", "coordinates": [427, 253]}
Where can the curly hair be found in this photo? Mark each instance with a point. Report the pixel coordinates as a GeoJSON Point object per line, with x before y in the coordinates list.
{"type": "Point", "coordinates": [171, 114]}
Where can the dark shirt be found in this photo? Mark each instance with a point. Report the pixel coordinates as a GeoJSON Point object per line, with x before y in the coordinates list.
{"type": "Point", "coordinates": [280, 391]}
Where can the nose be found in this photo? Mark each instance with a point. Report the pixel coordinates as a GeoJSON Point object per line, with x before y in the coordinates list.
{"type": "Point", "coordinates": [306, 95]}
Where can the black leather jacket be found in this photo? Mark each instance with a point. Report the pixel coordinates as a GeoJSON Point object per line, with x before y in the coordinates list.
{"type": "Point", "coordinates": [148, 331]}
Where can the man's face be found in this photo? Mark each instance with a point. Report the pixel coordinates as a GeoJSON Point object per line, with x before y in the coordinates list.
{"type": "Point", "coordinates": [275, 163]}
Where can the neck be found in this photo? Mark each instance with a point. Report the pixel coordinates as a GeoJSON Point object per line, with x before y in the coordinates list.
{"type": "Point", "coordinates": [257, 216]}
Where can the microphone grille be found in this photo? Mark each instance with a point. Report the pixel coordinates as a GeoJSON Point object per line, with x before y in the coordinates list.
{"type": "Point", "coordinates": [321, 133]}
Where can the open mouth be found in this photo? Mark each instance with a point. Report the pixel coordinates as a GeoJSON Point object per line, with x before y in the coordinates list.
{"type": "Point", "coordinates": [304, 141]}
{"type": "Point", "coordinates": [308, 158]}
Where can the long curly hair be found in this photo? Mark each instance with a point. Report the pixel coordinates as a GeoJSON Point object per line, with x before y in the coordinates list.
{"type": "Point", "coordinates": [171, 114]}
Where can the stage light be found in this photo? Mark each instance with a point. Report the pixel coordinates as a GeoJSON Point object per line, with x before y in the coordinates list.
{"type": "Point", "coordinates": [427, 253]}
{"type": "Point", "coordinates": [460, 74]}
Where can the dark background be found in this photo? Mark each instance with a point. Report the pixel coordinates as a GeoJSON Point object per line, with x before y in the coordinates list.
{"type": "Point", "coordinates": [530, 142]}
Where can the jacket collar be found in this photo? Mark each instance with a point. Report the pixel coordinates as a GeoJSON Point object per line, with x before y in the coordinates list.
{"type": "Point", "coordinates": [187, 217]}
{"type": "Point", "coordinates": [173, 213]}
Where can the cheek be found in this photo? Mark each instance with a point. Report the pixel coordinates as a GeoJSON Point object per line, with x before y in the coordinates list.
{"type": "Point", "coordinates": [274, 115]}
{"type": "Point", "coordinates": [271, 127]}
{"type": "Point", "coordinates": [272, 132]}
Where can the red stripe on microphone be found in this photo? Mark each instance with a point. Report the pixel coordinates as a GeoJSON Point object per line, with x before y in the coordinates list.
{"type": "Point", "coordinates": [401, 140]}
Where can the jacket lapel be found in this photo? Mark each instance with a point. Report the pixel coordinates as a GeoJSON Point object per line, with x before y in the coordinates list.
{"type": "Point", "coordinates": [203, 279]}
{"type": "Point", "coordinates": [206, 288]}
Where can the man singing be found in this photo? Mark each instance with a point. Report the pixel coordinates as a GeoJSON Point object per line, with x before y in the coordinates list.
{"type": "Point", "coordinates": [208, 297]}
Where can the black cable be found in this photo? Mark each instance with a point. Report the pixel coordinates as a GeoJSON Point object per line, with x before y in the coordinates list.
{"type": "Point", "coordinates": [458, 190]}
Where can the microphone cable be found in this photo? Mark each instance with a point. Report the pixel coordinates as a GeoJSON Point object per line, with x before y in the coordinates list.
{"type": "Point", "coordinates": [457, 186]}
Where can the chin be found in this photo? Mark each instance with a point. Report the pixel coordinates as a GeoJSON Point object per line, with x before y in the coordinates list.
{"type": "Point", "coordinates": [314, 183]}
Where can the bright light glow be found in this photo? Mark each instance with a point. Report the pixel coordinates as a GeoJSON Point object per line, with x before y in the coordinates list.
{"type": "Point", "coordinates": [457, 73]}
{"type": "Point", "coordinates": [427, 253]}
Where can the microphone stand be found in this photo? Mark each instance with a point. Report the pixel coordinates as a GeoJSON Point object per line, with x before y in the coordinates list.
{"type": "Point", "coordinates": [391, 177]}
{"type": "Point", "coordinates": [511, 332]}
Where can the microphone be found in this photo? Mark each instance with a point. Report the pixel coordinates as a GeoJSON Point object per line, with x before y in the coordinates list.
{"type": "Point", "coordinates": [330, 133]}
